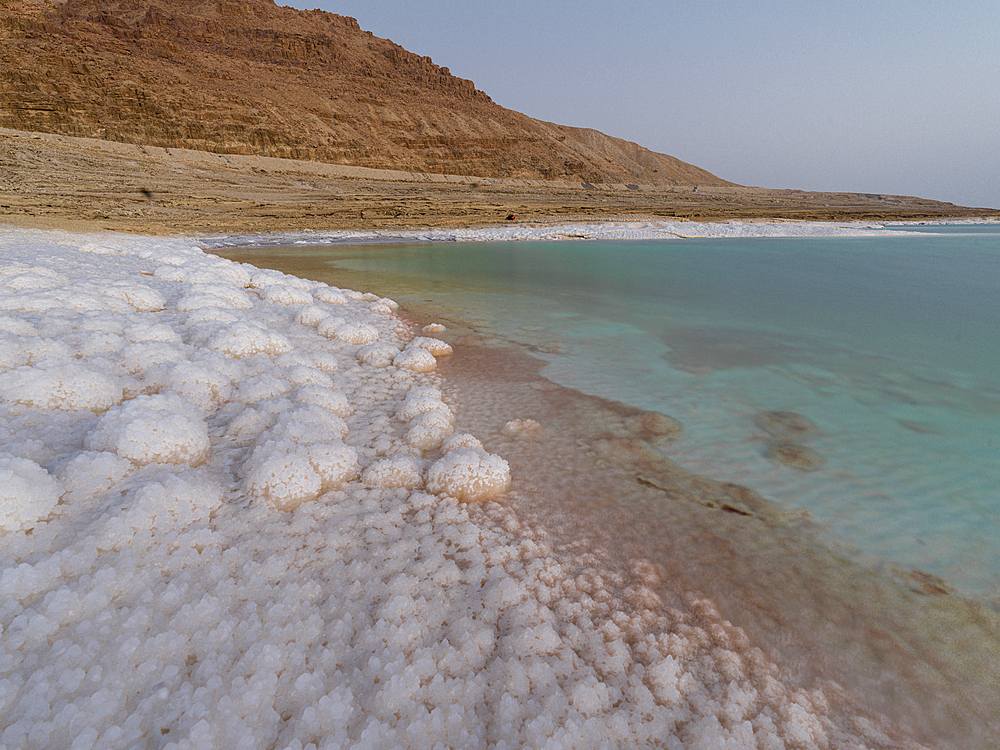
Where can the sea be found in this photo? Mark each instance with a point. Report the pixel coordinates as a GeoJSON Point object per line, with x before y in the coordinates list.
{"type": "Point", "coordinates": [852, 380]}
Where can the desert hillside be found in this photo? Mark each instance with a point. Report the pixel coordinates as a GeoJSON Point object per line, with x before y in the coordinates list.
{"type": "Point", "coordinates": [250, 77]}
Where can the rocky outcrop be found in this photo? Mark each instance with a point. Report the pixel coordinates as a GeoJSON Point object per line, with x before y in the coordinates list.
{"type": "Point", "coordinates": [249, 77]}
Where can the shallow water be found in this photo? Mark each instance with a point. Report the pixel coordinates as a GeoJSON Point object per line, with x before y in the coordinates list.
{"type": "Point", "coordinates": [888, 346]}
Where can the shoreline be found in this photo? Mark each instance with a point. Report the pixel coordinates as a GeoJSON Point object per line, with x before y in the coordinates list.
{"type": "Point", "coordinates": [638, 505]}
{"type": "Point", "coordinates": [696, 620]}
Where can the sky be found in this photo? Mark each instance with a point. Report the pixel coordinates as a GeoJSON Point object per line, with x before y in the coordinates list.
{"type": "Point", "coordinates": [850, 95]}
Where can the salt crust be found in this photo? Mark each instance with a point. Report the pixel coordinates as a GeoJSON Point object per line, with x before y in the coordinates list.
{"type": "Point", "coordinates": [206, 572]}
{"type": "Point", "coordinates": [28, 493]}
{"type": "Point", "coordinates": [608, 230]}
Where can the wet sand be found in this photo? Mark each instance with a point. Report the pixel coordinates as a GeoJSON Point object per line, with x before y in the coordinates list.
{"type": "Point", "coordinates": [594, 474]}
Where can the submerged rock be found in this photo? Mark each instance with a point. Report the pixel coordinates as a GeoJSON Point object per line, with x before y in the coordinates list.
{"type": "Point", "coordinates": [794, 455]}
{"type": "Point", "coordinates": [785, 425]}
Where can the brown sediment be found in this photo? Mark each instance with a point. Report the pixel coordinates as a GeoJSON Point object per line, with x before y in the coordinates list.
{"type": "Point", "coordinates": [794, 455]}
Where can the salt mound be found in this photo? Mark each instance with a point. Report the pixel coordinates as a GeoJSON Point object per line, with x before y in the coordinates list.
{"type": "Point", "coordinates": [418, 360]}
{"type": "Point", "coordinates": [462, 440]}
{"type": "Point", "coordinates": [284, 478]}
{"type": "Point", "coordinates": [329, 296]}
{"type": "Point", "coordinates": [311, 316]}
{"type": "Point", "coordinates": [153, 429]}
{"type": "Point", "coordinates": [307, 424]}
{"type": "Point", "coordinates": [420, 400]}
{"type": "Point", "coordinates": [332, 400]}
{"type": "Point", "coordinates": [429, 430]}
{"type": "Point", "coordinates": [92, 472]}
{"type": "Point", "coordinates": [336, 464]}
{"type": "Point", "coordinates": [379, 354]}
{"type": "Point", "coordinates": [435, 346]}
{"type": "Point", "coordinates": [396, 471]}
{"type": "Point", "coordinates": [28, 493]}
{"type": "Point", "coordinates": [283, 294]}
{"type": "Point", "coordinates": [172, 501]}
{"type": "Point", "coordinates": [469, 475]}
{"type": "Point", "coordinates": [206, 383]}
{"type": "Point", "coordinates": [241, 340]}
{"type": "Point", "coordinates": [60, 384]}
{"type": "Point", "coordinates": [350, 333]}
{"type": "Point", "coordinates": [139, 296]}
{"type": "Point", "coordinates": [12, 353]}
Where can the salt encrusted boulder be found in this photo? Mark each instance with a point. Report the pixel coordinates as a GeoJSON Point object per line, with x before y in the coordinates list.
{"type": "Point", "coordinates": [393, 472]}
{"type": "Point", "coordinates": [462, 440]}
{"type": "Point", "coordinates": [429, 420]}
{"type": "Point", "coordinates": [246, 426]}
{"type": "Point", "coordinates": [333, 401]}
{"type": "Point", "coordinates": [435, 346]}
{"type": "Point", "coordinates": [418, 360]}
{"type": "Point", "coordinates": [12, 353]}
{"type": "Point", "coordinates": [143, 355]}
{"type": "Point", "coordinates": [306, 425]}
{"type": "Point", "coordinates": [175, 500]}
{"type": "Point", "coordinates": [379, 354]}
{"type": "Point", "coordinates": [92, 472]}
{"type": "Point", "coordinates": [139, 296]}
{"type": "Point", "coordinates": [286, 474]}
{"type": "Point", "coordinates": [28, 493]}
{"type": "Point", "coordinates": [306, 375]}
{"type": "Point", "coordinates": [241, 340]}
{"type": "Point", "coordinates": [525, 429]}
{"type": "Point", "coordinates": [262, 278]}
{"type": "Point", "coordinates": [260, 387]}
{"type": "Point", "coordinates": [349, 333]}
{"type": "Point", "coordinates": [311, 316]}
{"type": "Point", "coordinates": [420, 400]}
{"type": "Point", "coordinates": [218, 316]}
{"type": "Point", "coordinates": [330, 296]}
{"type": "Point", "coordinates": [61, 384]}
{"type": "Point", "coordinates": [153, 429]}
{"type": "Point", "coordinates": [205, 383]}
{"type": "Point", "coordinates": [283, 294]}
{"type": "Point", "coordinates": [19, 277]}
{"type": "Point", "coordinates": [427, 431]}
{"type": "Point", "coordinates": [336, 463]}
{"type": "Point", "coordinates": [384, 306]}
{"type": "Point", "coordinates": [285, 479]}
{"type": "Point", "coordinates": [469, 475]}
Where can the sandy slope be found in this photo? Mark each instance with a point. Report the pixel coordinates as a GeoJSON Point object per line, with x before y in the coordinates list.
{"type": "Point", "coordinates": [89, 184]}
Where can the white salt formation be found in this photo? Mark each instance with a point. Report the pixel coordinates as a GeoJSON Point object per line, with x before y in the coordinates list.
{"type": "Point", "coordinates": [221, 526]}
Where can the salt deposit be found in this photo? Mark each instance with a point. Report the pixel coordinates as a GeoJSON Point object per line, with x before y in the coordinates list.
{"type": "Point", "coordinates": [223, 527]}
{"type": "Point", "coordinates": [604, 230]}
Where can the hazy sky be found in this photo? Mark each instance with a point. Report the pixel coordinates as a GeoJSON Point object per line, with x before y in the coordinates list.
{"type": "Point", "coordinates": [856, 95]}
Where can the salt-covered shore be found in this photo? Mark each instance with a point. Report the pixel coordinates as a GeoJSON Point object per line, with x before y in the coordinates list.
{"type": "Point", "coordinates": [598, 230]}
{"type": "Point", "coordinates": [234, 513]}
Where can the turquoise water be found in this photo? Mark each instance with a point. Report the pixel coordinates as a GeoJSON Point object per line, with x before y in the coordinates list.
{"type": "Point", "coordinates": [889, 345]}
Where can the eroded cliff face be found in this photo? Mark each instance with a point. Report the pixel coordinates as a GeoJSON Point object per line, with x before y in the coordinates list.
{"type": "Point", "coordinates": [250, 77]}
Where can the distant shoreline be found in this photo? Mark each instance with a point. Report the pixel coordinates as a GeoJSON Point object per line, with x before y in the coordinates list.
{"type": "Point", "coordinates": [86, 185]}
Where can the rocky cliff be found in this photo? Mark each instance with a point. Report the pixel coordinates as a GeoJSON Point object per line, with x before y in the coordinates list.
{"type": "Point", "coordinates": [250, 77]}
